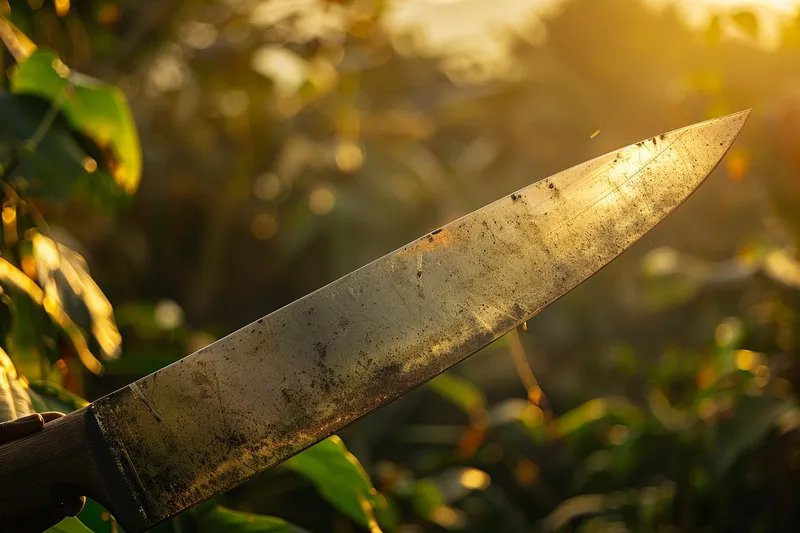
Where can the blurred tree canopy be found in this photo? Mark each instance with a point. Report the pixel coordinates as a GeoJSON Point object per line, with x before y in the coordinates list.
{"type": "Point", "coordinates": [287, 142]}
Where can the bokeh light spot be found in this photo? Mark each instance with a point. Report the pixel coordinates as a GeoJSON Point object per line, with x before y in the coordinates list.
{"type": "Point", "coordinates": [9, 215]}
{"type": "Point", "coordinates": [267, 186]}
{"type": "Point", "coordinates": [618, 434]}
{"type": "Point", "coordinates": [89, 165]}
{"type": "Point", "coordinates": [62, 7]}
{"type": "Point", "coordinates": [322, 200]}
{"type": "Point", "coordinates": [446, 517]}
{"type": "Point", "coordinates": [199, 35]}
{"type": "Point", "coordinates": [61, 69]}
{"type": "Point", "coordinates": [762, 375]}
{"type": "Point", "coordinates": [264, 226]}
{"type": "Point", "coordinates": [746, 360]}
{"type": "Point", "coordinates": [349, 157]}
{"type": "Point", "coordinates": [474, 479]}
{"type": "Point", "coordinates": [168, 314]}
{"type": "Point", "coordinates": [737, 163]}
{"type": "Point", "coordinates": [233, 103]}
{"type": "Point", "coordinates": [526, 472]}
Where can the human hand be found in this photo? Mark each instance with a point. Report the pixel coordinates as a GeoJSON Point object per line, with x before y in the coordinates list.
{"type": "Point", "coordinates": [60, 509]}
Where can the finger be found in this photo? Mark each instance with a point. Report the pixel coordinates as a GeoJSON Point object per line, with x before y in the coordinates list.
{"type": "Point", "coordinates": [49, 416]}
{"type": "Point", "coordinates": [21, 427]}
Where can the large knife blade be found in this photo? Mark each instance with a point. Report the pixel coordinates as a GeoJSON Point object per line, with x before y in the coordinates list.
{"type": "Point", "coordinates": [256, 397]}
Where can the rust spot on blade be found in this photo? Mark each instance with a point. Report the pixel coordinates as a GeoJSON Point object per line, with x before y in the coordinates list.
{"type": "Point", "coordinates": [436, 240]}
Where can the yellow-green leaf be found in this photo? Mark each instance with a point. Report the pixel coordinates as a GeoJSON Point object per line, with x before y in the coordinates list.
{"type": "Point", "coordinates": [69, 525]}
{"type": "Point", "coordinates": [14, 399]}
{"type": "Point", "coordinates": [459, 392]}
{"type": "Point", "coordinates": [65, 277]}
{"type": "Point", "coordinates": [221, 519]}
{"type": "Point", "coordinates": [621, 409]}
{"type": "Point", "coordinates": [341, 480]}
{"type": "Point", "coordinates": [11, 276]}
{"type": "Point", "coordinates": [49, 396]}
{"type": "Point", "coordinates": [17, 42]}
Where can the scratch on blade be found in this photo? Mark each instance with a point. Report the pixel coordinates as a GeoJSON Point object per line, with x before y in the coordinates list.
{"type": "Point", "coordinates": [140, 395]}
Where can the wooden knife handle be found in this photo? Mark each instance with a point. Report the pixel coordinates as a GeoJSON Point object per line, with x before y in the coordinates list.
{"type": "Point", "coordinates": [45, 468]}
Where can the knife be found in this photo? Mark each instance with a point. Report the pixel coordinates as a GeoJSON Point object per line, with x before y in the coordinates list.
{"type": "Point", "coordinates": [243, 404]}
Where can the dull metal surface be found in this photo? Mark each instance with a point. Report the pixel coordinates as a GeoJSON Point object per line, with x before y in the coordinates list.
{"type": "Point", "coordinates": [247, 402]}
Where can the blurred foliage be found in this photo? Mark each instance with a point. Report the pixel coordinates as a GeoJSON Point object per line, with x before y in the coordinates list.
{"type": "Point", "coordinates": [287, 142]}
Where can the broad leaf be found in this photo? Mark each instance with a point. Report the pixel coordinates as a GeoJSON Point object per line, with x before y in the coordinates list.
{"type": "Point", "coordinates": [49, 396]}
{"type": "Point", "coordinates": [96, 109]}
{"type": "Point", "coordinates": [621, 410]}
{"type": "Point", "coordinates": [14, 279]}
{"type": "Point", "coordinates": [31, 339]}
{"type": "Point", "coordinates": [48, 156]}
{"type": "Point", "coordinates": [340, 479]}
{"type": "Point", "coordinates": [69, 525]}
{"type": "Point", "coordinates": [14, 400]}
{"type": "Point", "coordinates": [65, 277]}
{"type": "Point", "coordinates": [220, 519]}
{"type": "Point", "coordinates": [96, 518]}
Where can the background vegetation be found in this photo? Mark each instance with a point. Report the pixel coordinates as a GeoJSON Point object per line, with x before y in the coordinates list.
{"type": "Point", "coordinates": [284, 143]}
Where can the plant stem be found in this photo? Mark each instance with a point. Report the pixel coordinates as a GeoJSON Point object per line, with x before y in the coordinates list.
{"type": "Point", "coordinates": [29, 147]}
{"type": "Point", "coordinates": [44, 126]}
{"type": "Point", "coordinates": [9, 191]}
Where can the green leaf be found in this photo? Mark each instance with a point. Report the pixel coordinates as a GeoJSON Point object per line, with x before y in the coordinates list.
{"type": "Point", "coordinates": [96, 518]}
{"type": "Point", "coordinates": [340, 479]}
{"type": "Point", "coordinates": [20, 342]}
{"type": "Point", "coordinates": [55, 167]}
{"type": "Point", "coordinates": [459, 392]}
{"type": "Point", "coordinates": [621, 410]}
{"type": "Point", "coordinates": [69, 525]}
{"type": "Point", "coordinates": [49, 396]}
{"type": "Point", "coordinates": [220, 519]}
{"type": "Point", "coordinates": [31, 337]}
{"type": "Point", "coordinates": [426, 497]}
{"type": "Point", "coordinates": [96, 109]}
{"type": "Point", "coordinates": [65, 277]}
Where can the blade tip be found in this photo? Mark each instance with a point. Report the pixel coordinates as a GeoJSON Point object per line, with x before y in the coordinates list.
{"type": "Point", "coordinates": [742, 115]}
{"type": "Point", "coordinates": [733, 122]}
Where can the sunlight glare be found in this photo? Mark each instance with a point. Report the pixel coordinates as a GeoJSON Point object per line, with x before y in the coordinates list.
{"type": "Point", "coordinates": [771, 14]}
{"type": "Point", "coordinates": [478, 29]}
